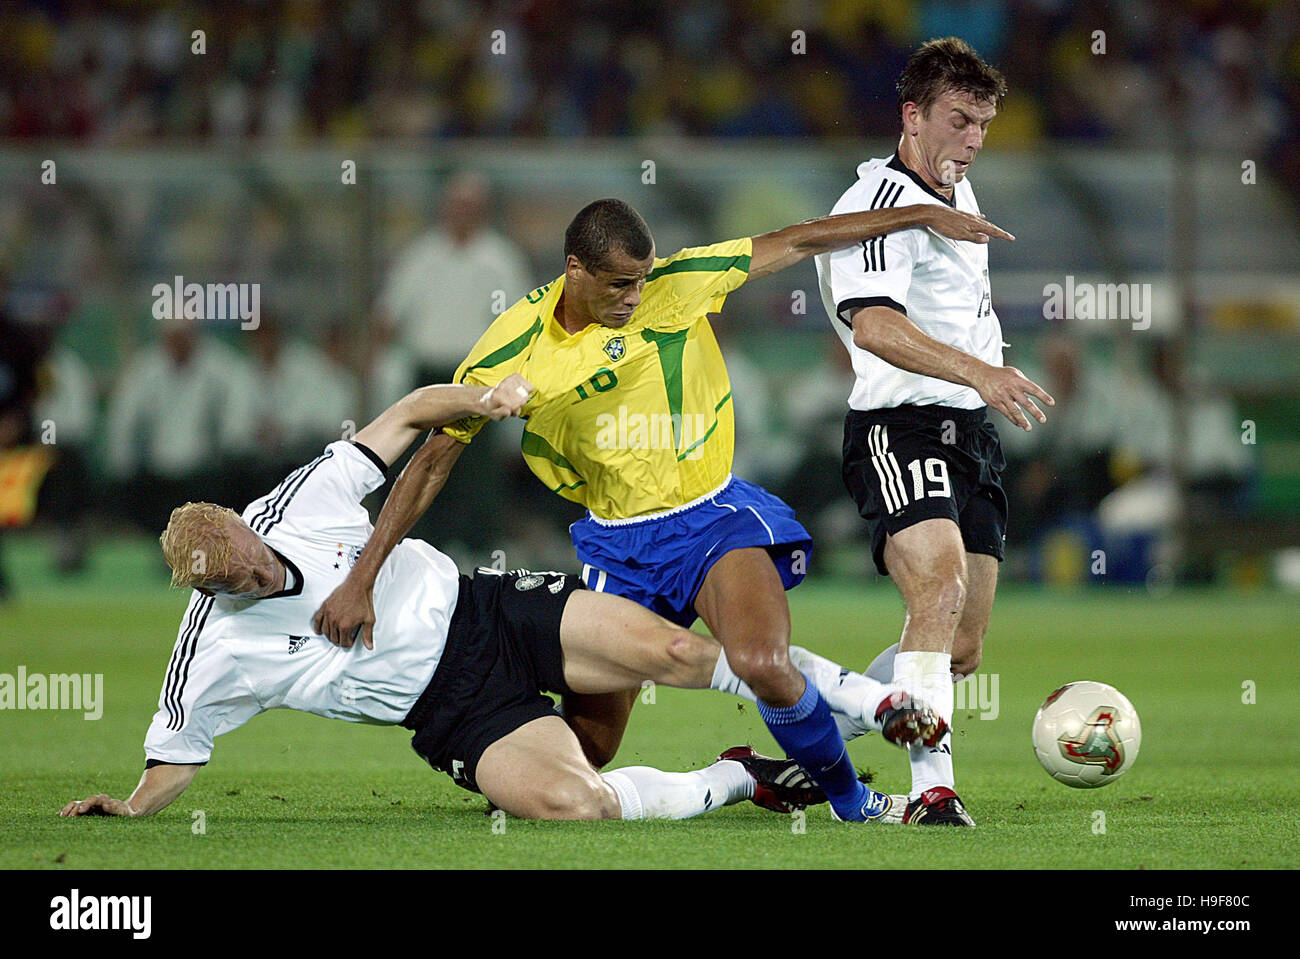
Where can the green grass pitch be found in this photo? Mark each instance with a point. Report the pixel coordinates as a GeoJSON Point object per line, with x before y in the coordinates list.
{"type": "Point", "coordinates": [1215, 785]}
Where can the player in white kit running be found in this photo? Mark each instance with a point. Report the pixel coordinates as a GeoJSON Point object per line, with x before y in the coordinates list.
{"type": "Point", "coordinates": [460, 661]}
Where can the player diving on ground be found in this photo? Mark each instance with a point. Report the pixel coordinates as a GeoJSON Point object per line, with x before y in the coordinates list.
{"type": "Point", "coordinates": [460, 661]}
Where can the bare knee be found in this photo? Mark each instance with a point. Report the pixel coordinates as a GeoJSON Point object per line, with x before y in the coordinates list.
{"type": "Point", "coordinates": [950, 594]}
{"type": "Point", "coordinates": [941, 597]}
{"type": "Point", "coordinates": [578, 797]}
{"type": "Point", "coordinates": [689, 659]}
{"type": "Point", "coordinates": [766, 668]}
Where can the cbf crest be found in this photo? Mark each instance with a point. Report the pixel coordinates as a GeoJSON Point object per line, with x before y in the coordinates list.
{"type": "Point", "coordinates": [614, 348]}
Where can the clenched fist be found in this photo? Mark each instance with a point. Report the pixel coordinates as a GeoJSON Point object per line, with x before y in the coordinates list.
{"type": "Point", "coordinates": [507, 398]}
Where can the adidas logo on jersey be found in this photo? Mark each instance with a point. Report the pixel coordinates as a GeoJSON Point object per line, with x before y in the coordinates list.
{"type": "Point", "coordinates": [296, 643]}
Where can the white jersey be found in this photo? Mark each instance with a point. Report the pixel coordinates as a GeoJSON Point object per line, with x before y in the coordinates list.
{"type": "Point", "coordinates": [941, 285]}
{"type": "Point", "coordinates": [235, 658]}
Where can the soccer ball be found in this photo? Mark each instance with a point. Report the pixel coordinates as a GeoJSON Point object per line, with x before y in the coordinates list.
{"type": "Point", "coordinates": [1087, 734]}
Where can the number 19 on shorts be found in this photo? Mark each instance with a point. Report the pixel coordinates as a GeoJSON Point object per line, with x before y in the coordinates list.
{"type": "Point", "coordinates": [929, 475]}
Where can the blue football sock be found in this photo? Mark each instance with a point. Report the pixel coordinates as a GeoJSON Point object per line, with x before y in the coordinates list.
{"type": "Point", "coordinates": [807, 733]}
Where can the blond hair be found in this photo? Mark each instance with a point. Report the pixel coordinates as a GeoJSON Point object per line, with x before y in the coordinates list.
{"type": "Point", "coordinates": [196, 544]}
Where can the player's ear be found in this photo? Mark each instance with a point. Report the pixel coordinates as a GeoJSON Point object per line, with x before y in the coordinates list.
{"type": "Point", "coordinates": [911, 112]}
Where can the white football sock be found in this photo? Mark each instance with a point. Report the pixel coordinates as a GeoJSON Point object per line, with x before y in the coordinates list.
{"type": "Point", "coordinates": [882, 667]}
{"type": "Point", "coordinates": [646, 793]}
{"type": "Point", "coordinates": [929, 676]}
{"type": "Point", "coordinates": [853, 698]}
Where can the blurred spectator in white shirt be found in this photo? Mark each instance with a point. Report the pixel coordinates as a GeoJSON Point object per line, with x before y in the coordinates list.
{"type": "Point", "coordinates": [1216, 460]}
{"type": "Point", "coordinates": [812, 448]}
{"type": "Point", "coordinates": [179, 411]}
{"type": "Point", "coordinates": [301, 398]}
{"type": "Point", "coordinates": [442, 293]}
{"type": "Point", "coordinates": [1061, 471]}
{"type": "Point", "coordinates": [446, 288]}
{"type": "Point", "coordinates": [387, 369]}
{"type": "Point", "coordinates": [300, 401]}
{"type": "Point", "coordinates": [65, 418]}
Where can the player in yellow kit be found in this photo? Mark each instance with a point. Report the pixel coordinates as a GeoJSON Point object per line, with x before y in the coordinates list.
{"type": "Point", "coordinates": [631, 416]}
{"type": "Point", "coordinates": [642, 411]}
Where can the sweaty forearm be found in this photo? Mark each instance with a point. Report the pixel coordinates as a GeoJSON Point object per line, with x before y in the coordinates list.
{"type": "Point", "coordinates": [432, 406]}
{"type": "Point", "coordinates": [392, 432]}
{"type": "Point", "coordinates": [785, 247]}
{"type": "Point", "coordinates": [412, 494]}
{"type": "Point", "coordinates": [829, 233]}
{"type": "Point", "coordinates": [899, 342]}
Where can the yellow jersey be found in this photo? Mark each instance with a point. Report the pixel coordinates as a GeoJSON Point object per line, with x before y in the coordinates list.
{"type": "Point", "coordinates": [625, 421]}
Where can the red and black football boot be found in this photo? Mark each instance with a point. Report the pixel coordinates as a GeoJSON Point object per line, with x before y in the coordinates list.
{"type": "Point", "coordinates": [939, 806]}
{"type": "Point", "coordinates": [905, 721]}
{"type": "Point", "coordinates": [781, 785]}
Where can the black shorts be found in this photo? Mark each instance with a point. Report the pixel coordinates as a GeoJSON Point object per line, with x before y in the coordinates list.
{"type": "Point", "coordinates": [912, 463]}
{"type": "Point", "coordinates": [502, 653]}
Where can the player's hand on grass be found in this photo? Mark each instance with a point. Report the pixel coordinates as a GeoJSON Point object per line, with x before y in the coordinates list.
{"type": "Point", "coordinates": [507, 398]}
{"type": "Point", "coordinates": [964, 226]}
{"type": "Point", "coordinates": [347, 612]}
{"type": "Point", "coordinates": [1008, 390]}
{"type": "Point", "coordinates": [100, 805]}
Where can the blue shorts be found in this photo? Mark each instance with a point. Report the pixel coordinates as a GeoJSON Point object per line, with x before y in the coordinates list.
{"type": "Point", "coordinates": [660, 561]}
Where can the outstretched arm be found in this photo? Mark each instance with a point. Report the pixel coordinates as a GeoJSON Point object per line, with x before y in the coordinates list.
{"type": "Point", "coordinates": [428, 407]}
{"type": "Point", "coordinates": [785, 247]}
{"type": "Point", "coordinates": [158, 788]}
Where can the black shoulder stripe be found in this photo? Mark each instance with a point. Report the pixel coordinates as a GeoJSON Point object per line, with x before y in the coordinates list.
{"type": "Point", "coordinates": [271, 498]}
{"type": "Point", "coordinates": [288, 491]}
{"type": "Point", "coordinates": [875, 200]}
{"type": "Point", "coordinates": [268, 505]}
{"type": "Point", "coordinates": [866, 256]}
{"type": "Point", "coordinates": [179, 668]}
{"type": "Point", "coordinates": [873, 250]}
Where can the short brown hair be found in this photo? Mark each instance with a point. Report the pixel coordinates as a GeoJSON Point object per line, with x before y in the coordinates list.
{"type": "Point", "coordinates": [943, 65]}
{"type": "Point", "coordinates": [196, 546]}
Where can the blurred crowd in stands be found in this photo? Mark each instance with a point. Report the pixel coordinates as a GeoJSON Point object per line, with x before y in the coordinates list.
{"type": "Point", "coordinates": [210, 411]}
{"type": "Point", "coordinates": [213, 412]}
{"type": "Point", "coordinates": [292, 71]}
{"type": "Point", "coordinates": [201, 411]}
